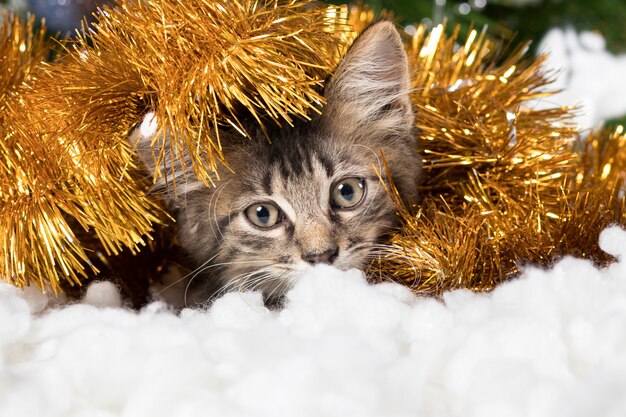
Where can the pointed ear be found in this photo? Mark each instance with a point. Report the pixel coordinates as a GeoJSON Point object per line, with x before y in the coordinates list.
{"type": "Point", "coordinates": [371, 86]}
{"type": "Point", "coordinates": [148, 143]}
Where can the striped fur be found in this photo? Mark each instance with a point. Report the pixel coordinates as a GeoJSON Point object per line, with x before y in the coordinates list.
{"type": "Point", "coordinates": [368, 111]}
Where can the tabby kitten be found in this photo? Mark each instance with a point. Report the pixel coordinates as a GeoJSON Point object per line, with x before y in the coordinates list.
{"type": "Point", "coordinates": [312, 195]}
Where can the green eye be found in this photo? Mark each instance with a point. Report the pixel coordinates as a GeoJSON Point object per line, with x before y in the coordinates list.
{"type": "Point", "coordinates": [348, 192]}
{"type": "Point", "coordinates": [263, 214]}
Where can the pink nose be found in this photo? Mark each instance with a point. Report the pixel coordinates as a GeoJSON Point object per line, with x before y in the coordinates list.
{"type": "Point", "coordinates": [327, 257]}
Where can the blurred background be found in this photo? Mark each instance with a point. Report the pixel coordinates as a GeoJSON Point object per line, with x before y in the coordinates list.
{"type": "Point", "coordinates": [522, 19]}
{"type": "Point", "coordinates": [526, 19]}
{"type": "Point", "coordinates": [586, 38]}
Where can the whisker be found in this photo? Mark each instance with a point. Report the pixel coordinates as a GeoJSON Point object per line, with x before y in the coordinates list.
{"type": "Point", "coordinates": [213, 209]}
{"type": "Point", "coordinates": [184, 277]}
{"type": "Point", "coordinates": [259, 277]}
{"type": "Point", "coordinates": [241, 281]}
{"type": "Point", "coordinates": [257, 281]}
{"type": "Point", "coordinates": [200, 270]}
{"type": "Point", "coordinates": [373, 153]}
{"type": "Point", "coordinates": [280, 284]}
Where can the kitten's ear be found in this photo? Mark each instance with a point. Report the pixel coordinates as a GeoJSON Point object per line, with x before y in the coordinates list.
{"type": "Point", "coordinates": [143, 139]}
{"type": "Point", "coordinates": [372, 83]}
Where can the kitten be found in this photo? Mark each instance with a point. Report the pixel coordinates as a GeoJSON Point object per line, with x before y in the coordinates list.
{"type": "Point", "coordinates": [312, 195]}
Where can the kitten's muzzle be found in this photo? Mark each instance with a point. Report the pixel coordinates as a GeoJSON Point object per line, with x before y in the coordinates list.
{"type": "Point", "coordinates": [327, 257]}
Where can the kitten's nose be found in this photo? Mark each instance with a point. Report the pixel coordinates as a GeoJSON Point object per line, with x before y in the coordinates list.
{"type": "Point", "coordinates": [327, 257]}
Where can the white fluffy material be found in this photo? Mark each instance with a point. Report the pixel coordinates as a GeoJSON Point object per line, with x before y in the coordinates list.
{"type": "Point", "coordinates": [551, 343]}
{"type": "Point", "coordinates": [588, 75]}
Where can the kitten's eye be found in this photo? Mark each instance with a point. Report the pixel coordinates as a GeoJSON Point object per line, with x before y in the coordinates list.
{"type": "Point", "coordinates": [263, 215]}
{"type": "Point", "coordinates": [348, 192]}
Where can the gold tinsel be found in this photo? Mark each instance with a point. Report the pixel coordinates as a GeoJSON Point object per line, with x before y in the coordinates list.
{"type": "Point", "coordinates": [67, 170]}
{"type": "Point", "coordinates": [49, 179]}
{"type": "Point", "coordinates": [504, 183]}
{"type": "Point", "coordinates": [199, 65]}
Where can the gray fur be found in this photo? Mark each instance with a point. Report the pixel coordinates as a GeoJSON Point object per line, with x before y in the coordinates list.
{"type": "Point", "coordinates": [368, 111]}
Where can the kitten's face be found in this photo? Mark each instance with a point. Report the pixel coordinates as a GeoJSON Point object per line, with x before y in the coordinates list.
{"type": "Point", "coordinates": [312, 195]}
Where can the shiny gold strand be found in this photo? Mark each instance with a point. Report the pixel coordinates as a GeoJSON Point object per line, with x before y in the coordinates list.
{"type": "Point", "coordinates": [200, 65]}
{"type": "Point", "coordinates": [22, 47]}
{"type": "Point", "coordinates": [598, 193]}
{"type": "Point", "coordinates": [68, 189]}
{"type": "Point", "coordinates": [500, 185]}
{"type": "Point", "coordinates": [504, 183]}
{"type": "Point", "coordinates": [603, 161]}
{"type": "Point", "coordinates": [21, 50]}
{"type": "Point", "coordinates": [49, 179]}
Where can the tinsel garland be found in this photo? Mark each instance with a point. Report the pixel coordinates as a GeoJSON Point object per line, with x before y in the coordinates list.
{"type": "Point", "coordinates": [53, 186]}
{"type": "Point", "coordinates": [68, 174]}
{"type": "Point", "coordinates": [504, 184]}
{"type": "Point", "coordinates": [199, 65]}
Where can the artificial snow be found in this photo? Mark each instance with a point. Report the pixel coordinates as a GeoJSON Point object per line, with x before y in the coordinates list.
{"type": "Point", "coordinates": [551, 343]}
{"type": "Point", "coordinates": [587, 74]}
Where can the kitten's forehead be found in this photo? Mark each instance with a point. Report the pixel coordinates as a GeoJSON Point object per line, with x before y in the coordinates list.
{"type": "Point", "coordinates": [302, 153]}
{"type": "Point", "coordinates": [294, 164]}
{"type": "Point", "coordinates": [299, 166]}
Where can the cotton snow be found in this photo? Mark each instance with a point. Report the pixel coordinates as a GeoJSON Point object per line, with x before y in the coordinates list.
{"type": "Point", "coordinates": [551, 343]}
